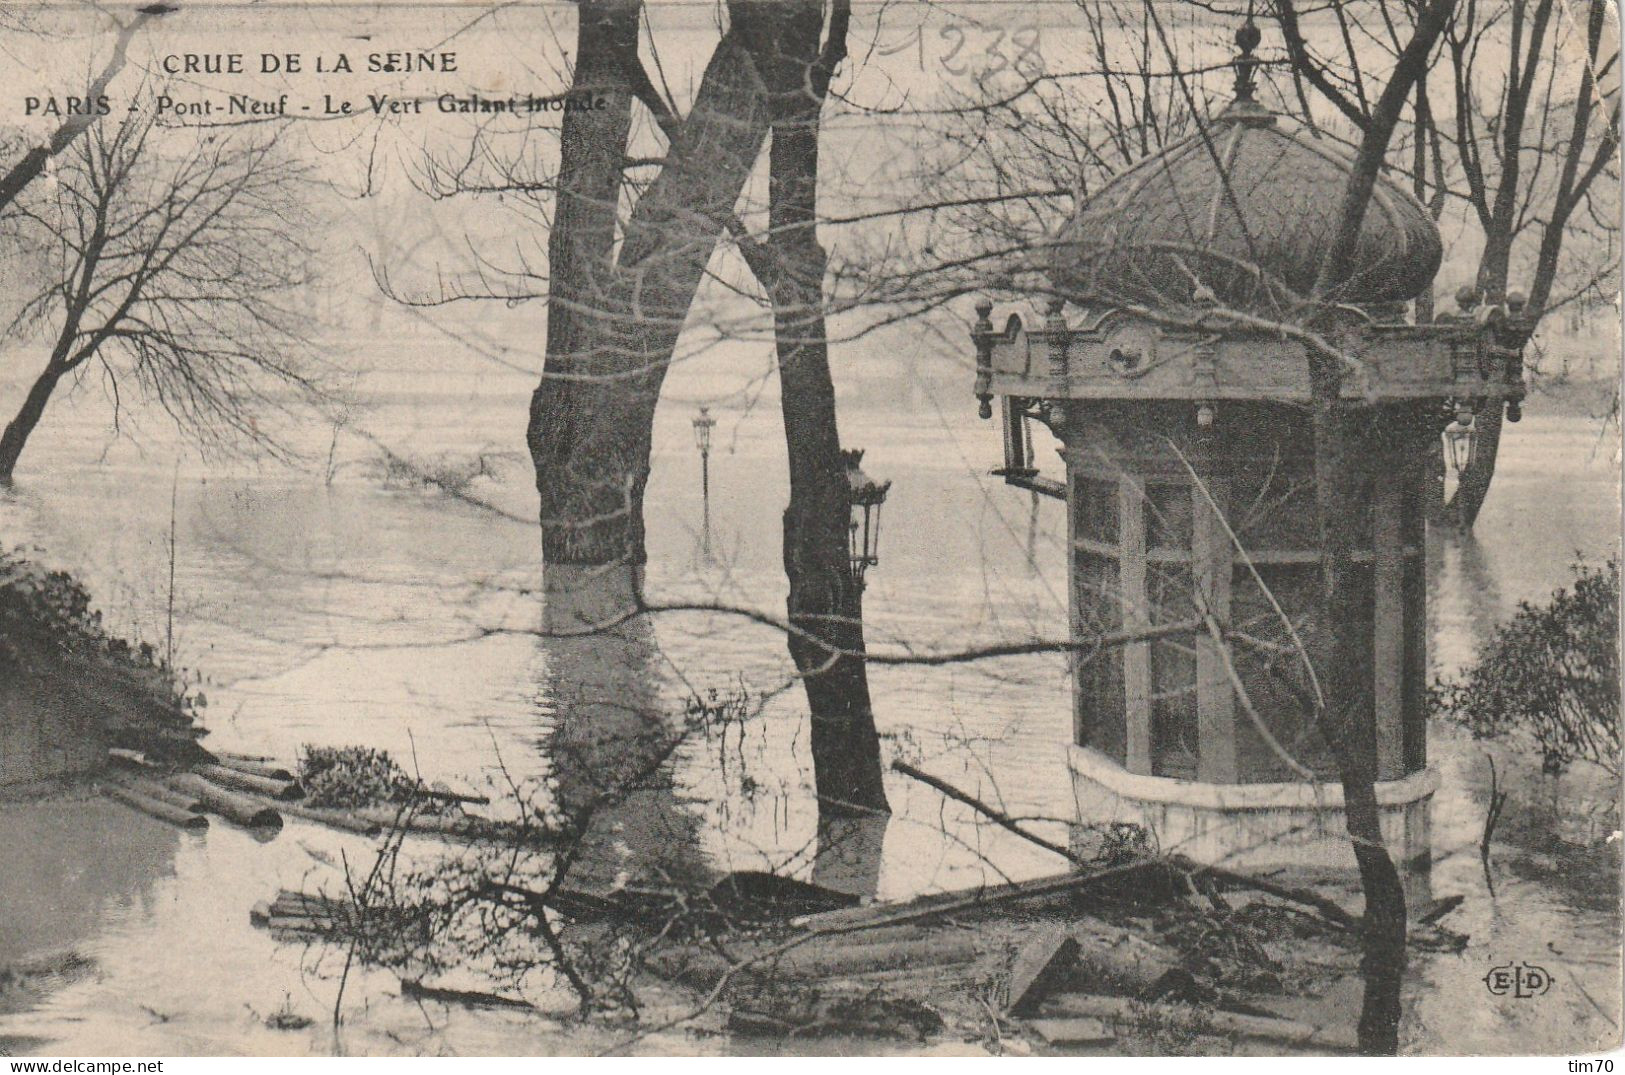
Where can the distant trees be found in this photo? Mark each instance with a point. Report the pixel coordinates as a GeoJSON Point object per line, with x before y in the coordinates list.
{"type": "Point", "coordinates": [173, 258]}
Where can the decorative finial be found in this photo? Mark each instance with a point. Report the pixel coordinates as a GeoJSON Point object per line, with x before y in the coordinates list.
{"type": "Point", "coordinates": [1247, 38]}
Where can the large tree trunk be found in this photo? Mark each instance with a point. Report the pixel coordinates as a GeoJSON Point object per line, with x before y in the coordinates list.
{"type": "Point", "coordinates": [1348, 721]}
{"type": "Point", "coordinates": [826, 599]}
{"type": "Point", "coordinates": [592, 416]}
{"type": "Point", "coordinates": [581, 273]}
{"type": "Point", "coordinates": [28, 416]}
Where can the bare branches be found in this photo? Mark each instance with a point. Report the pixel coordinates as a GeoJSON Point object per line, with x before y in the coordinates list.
{"type": "Point", "coordinates": [178, 261]}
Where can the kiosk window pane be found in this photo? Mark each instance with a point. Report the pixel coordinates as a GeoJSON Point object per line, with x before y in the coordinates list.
{"type": "Point", "coordinates": [1097, 509]}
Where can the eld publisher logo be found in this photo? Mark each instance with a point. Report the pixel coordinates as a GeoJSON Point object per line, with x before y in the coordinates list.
{"type": "Point", "coordinates": [1522, 981]}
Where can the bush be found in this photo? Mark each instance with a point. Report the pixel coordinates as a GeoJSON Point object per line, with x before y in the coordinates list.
{"type": "Point", "coordinates": [1549, 677]}
{"type": "Point", "coordinates": [49, 611]}
{"type": "Point", "coordinates": [49, 634]}
{"type": "Point", "coordinates": [347, 777]}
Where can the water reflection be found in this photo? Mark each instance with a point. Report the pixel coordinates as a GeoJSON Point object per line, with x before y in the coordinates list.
{"type": "Point", "coordinates": [611, 743]}
{"type": "Point", "coordinates": [849, 854]}
{"type": "Point", "coordinates": [1464, 595]}
{"type": "Point", "coordinates": [72, 862]}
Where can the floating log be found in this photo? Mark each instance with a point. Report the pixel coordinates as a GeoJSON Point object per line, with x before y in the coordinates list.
{"type": "Point", "coordinates": [157, 808]}
{"type": "Point", "coordinates": [153, 789]}
{"type": "Point", "coordinates": [254, 766]}
{"type": "Point", "coordinates": [241, 809]}
{"type": "Point", "coordinates": [1265, 1028]}
{"type": "Point", "coordinates": [281, 790]}
{"type": "Point", "coordinates": [703, 966]}
{"type": "Point", "coordinates": [289, 901]}
{"type": "Point", "coordinates": [419, 991]}
{"type": "Point", "coordinates": [1080, 1030]}
{"type": "Point", "coordinates": [961, 900]}
{"type": "Point", "coordinates": [467, 826]}
{"type": "Point", "coordinates": [238, 756]}
{"type": "Point", "coordinates": [336, 819]}
{"type": "Point", "coordinates": [453, 796]}
{"type": "Point", "coordinates": [135, 758]}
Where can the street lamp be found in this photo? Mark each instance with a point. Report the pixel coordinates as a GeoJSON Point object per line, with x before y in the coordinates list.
{"type": "Point", "coordinates": [865, 496]}
{"type": "Point", "coordinates": [703, 424]}
{"type": "Point", "coordinates": [1458, 437]}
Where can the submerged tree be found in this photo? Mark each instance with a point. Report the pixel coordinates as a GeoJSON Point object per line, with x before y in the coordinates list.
{"type": "Point", "coordinates": [1530, 150]}
{"type": "Point", "coordinates": [634, 217]}
{"type": "Point", "coordinates": [175, 260]}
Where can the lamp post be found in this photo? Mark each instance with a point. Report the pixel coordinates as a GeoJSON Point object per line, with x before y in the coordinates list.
{"type": "Point", "coordinates": [703, 424]}
{"type": "Point", "coordinates": [865, 497]}
{"type": "Point", "coordinates": [1458, 438]}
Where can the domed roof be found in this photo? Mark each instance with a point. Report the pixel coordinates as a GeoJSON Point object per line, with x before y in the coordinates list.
{"type": "Point", "coordinates": [1246, 209]}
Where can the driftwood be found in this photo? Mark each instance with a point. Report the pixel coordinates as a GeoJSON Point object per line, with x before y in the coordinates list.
{"type": "Point", "coordinates": [156, 808]}
{"type": "Point", "coordinates": [703, 966]}
{"type": "Point", "coordinates": [240, 809]}
{"type": "Point", "coordinates": [418, 991]}
{"type": "Point", "coordinates": [254, 765]}
{"type": "Point", "coordinates": [334, 819]}
{"type": "Point", "coordinates": [405, 818]}
{"type": "Point", "coordinates": [1040, 965]}
{"type": "Point", "coordinates": [1330, 909]}
{"type": "Point", "coordinates": [453, 796]}
{"type": "Point", "coordinates": [281, 790]}
{"type": "Point", "coordinates": [154, 789]}
{"type": "Point", "coordinates": [1438, 909]}
{"type": "Point", "coordinates": [1265, 1028]}
{"type": "Point", "coordinates": [1075, 1031]}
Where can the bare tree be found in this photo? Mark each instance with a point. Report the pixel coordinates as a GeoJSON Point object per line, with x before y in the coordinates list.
{"type": "Point", "coordinates": [176, 257]}
{"type": "Point", "coordinates": [1529, 152]}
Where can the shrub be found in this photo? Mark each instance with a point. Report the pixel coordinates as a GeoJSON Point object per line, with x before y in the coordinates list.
{"type": "Point", "coordinates": [346, 777]}
{"type": "Point", "coordinates": [1549, 677]}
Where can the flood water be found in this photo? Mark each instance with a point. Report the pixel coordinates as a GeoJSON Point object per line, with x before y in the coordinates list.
{"type": "Point", "coordinates": [364, 609]}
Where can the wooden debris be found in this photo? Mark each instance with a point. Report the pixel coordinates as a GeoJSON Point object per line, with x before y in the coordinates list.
{"type": "Point", "coordinates": [418, 991]}
{"type": "Point", "coordinates": [1124, 963]}
{"type": "Point", "coordinates": [153, 789]}
{"type": "Point", "coordinates": [1076, 1031]}
{"type": "Point", "coordinates": [156, 808]}
{"type": "Point", "coordinates": [466, 826]}
{"type": "Point", "coordinates": [809, 1014]}
{"type": "Point", "coordinates": [817, 959]}
{"type": "Point", "coordinates": [1438, 909]}
{"type": "Point", "coordinates": [254, 765]}
{"type": "Point", "coordinates": [1039, 966]}
{"type": "Point", "coordinates": [1280, 1031]}
{"type": "Point", "coordinates": [335, 819]}
{"type": "Point", "coordinates": [281, 790]}
{"type": "Point", "coordinates": [453, 796]}
{"type": "Point", "coordinates": [240, 809]}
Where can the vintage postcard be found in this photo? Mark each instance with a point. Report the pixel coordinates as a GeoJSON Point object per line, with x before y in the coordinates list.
{"type": "Point", "coordinates": [727, 527]}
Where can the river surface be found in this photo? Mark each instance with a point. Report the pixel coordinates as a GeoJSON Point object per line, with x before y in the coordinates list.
{"type": "Point", "coordinates": [337, 602]}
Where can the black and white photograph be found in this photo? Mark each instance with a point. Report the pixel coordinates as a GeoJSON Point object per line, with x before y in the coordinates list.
{"type": "Point", "coordinates": [803, 528]}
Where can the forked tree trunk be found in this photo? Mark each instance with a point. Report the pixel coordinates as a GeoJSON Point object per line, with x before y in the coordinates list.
{"type": "Point", "coordinates": [592, 416]}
